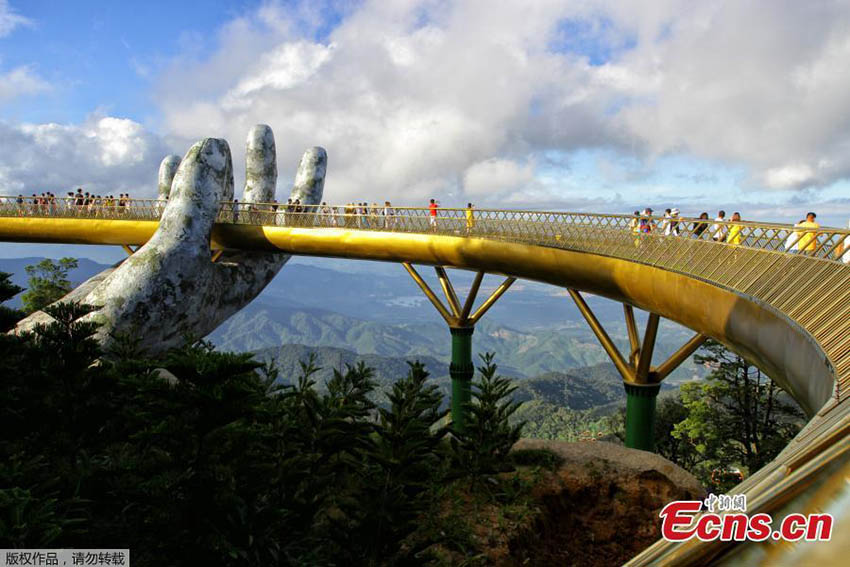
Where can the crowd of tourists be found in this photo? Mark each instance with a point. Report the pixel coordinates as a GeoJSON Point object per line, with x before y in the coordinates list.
{"type": "Point", "coordinates": [803, 239]}
{"type": "Point", "coordinates": [78, 202]}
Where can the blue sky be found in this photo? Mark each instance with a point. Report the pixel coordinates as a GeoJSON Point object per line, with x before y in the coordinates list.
{"type": "Point", "coordinates": [603, 106]}
{"type": "Point", "coordinates": [102, 55]}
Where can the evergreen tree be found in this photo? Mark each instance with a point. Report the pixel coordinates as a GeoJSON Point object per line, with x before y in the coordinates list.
{"type": "Point", "coordinates": [8, 290]}
{"type": "Point", "coordinates": [48, 282]}
{"type": "Point", "coordinates": [737, 416]}
{"type": "Point", "coordinates": [489, 434]}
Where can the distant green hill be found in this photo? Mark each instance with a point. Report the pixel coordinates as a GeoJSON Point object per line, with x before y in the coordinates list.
{"type": "Point", "coordinates": [260, 326]}
{"type": "Point", "coordinates": [375, 308]}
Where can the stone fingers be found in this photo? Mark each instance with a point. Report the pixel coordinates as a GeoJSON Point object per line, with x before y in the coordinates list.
{"type": "Point", "coordinates": [260, 166]}
{"type": "Point", "coordinates": [167, 171]}
{"type": "Point", "coordinates": [310, 178]}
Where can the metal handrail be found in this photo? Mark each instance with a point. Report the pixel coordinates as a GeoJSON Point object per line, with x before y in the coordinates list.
{"type": "Point", "coordinates": [541, 227]}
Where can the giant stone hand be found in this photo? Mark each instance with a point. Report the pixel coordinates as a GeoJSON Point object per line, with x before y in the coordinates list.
{"type": "Point", "coordinates": [170, 288]}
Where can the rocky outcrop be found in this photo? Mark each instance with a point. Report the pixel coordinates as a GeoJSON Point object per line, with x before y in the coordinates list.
{"type": "Point", "coordinates": [600, 507]}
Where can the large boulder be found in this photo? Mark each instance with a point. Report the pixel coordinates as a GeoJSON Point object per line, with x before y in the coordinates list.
{"type": "Point", "coordinates": [601, 505]}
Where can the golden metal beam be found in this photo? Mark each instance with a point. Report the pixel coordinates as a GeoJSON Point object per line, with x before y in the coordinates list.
{"type": "Point", "coordinates": [645, 356]}
{"type": "Point", "coordinates": [435, 301]}
{"type": "Point", "coordinates": [623, 368]}
{"type": "Point", "coordinates": [448, 290]}
{"type": "Point", "coordinates": [634, 338]}
{"type": "Point", "coordinates": [470, 299]}
{"type": "Point", "coordinates": [490, 301]}
{"type": "Point", "coordinates": [749, 316]}
{"type": "Point", "coordinates": [216, 254]}
{"type": "Point", "coordinates": [664, 369]}
{"type": "Point", "coordinates": [128, 250]}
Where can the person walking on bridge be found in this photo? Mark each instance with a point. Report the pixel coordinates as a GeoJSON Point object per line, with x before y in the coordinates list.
{"type": "Point", "coordinates": [719, 230]}
{"type": "Point", "coordinates": [664, 226]}
{"type": "Point", "coordinates": [673, 228]}
{"type": "Point", "coordinates": [432, 214]}
{"type": "Point", "coordinates": [699, 227]}
{"type": "Point", "coordinates": [470, 218]}
{"type": "Point", "coordinates": [808, 241]}
{"type": "Point", "coordinates": [634, 224]}
{"type": "Point", "coordinates": [646, 223]}
{"type": "Point", "coordinates": [389, 215]}
{"type": "Point", "coordinates": [735, 237]}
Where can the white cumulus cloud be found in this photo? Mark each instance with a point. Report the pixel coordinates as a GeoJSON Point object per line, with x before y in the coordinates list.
{"type": "Point", "coordinates": [495, 176]}
{"type": "Point", "coordinates": [103, 155]}
{"type": "Point", "coordinates": [20, 81]}
{"type": "Point", "coordinates": [10, 19]}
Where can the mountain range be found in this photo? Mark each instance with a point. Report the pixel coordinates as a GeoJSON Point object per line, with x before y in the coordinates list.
{"type": "Point", "coordinates": [375, 309]}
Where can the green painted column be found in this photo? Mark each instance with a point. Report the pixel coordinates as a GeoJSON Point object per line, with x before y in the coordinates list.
{"type": "Point", "coordinates": [640, 415]}
{"type": "Point", "coordinates": [461, 370]}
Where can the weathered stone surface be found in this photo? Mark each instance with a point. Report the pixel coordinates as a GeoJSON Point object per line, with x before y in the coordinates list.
{"type": "Point", "coordinates": [260, 165]}
{"type": "Point", "coordinates": [167, 170]}
{"type": "Point", "coordinates": [601, 506]}
{"type": "Point", "coordinates": [169, 289]}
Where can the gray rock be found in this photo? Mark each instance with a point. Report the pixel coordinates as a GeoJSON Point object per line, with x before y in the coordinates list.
{"type": "Point", "coordinates": [167, 170]}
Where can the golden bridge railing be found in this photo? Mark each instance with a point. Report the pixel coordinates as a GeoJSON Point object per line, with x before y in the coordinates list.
{"type": "Point", "coordinates": [802, 273]}
{"type": "Point", "coordinates": [592, 232]}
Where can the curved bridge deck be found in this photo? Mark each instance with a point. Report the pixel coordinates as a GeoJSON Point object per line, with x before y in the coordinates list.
{"type": "Point", "coordinates": [778, 295]}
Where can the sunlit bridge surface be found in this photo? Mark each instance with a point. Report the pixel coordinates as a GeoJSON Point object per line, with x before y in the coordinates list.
{"type": "Point", "coordinates": [776, 294]}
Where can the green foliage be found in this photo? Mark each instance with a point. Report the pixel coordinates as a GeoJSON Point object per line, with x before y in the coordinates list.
{"type": "Point", "coordinates": [737, 417]}
{"type": "Point", "coordinates": [544, 420]}
{"type": "Point", "coordinates": [48, 282]}
{"type": "Point", "coordinates": [489, 433]}
{"type": "Point", "coordinates": [8, 316]}
{"type": "Point", "coordinates": [205, 457]}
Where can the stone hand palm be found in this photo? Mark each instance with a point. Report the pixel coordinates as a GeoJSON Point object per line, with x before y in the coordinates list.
{"type": "Point", "coordinates": [170, 288]}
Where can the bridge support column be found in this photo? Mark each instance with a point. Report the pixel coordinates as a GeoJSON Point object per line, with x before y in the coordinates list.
{"type": "Point", "coordinates": [461, 370]}
{"type": "Point", "coordinates": [461, 321]}
{"type": "Point", "coordinates": [640, 415]}
{"type": "Point", "coordinates": [641, 380]}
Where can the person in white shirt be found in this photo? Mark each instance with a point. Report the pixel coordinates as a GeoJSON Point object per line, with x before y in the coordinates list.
{"type": "Point", "coordinates": [718, 231]}
{"type": "Point", "coordinates": [845, 257]}
{"type": "Point", "coordinates": [664, 226]}
{"type": "Point", "coordinates": [793, 240]}
{"type": "Point", "coordinates": [672, 228]}
{"type": "Point", "coordinates": [389, 215]}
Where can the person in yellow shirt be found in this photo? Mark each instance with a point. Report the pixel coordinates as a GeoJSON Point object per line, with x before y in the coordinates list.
{"type": "Point", "coordinates": [734, 237]}
{"type": "Point", "coordinates": [470, 218]}
{"type": "Point", "coordinates": [808, 239]}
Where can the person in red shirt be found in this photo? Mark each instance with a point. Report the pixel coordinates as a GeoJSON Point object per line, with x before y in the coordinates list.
{"type": "Point", "coordinates": [432, 212]}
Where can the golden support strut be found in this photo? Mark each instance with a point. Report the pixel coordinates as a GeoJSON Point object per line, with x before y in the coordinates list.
{"type": "Point", "coordinates": [448, 290]}
{"type": "Point", "coordinates": [461, 326]}
{"type": "Point", "coordinates": [435, 301]}
{"type": "Point", "coordinates": [638, 369]}
{"type": "Point", "coordinates": [454, 314]}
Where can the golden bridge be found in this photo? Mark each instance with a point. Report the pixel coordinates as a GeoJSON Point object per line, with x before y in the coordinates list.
{"type": "Point", "coordinates": [776, 294]}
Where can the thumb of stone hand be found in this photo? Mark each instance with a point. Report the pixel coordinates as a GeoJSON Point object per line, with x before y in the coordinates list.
{"type": "Point", "coordinates": [169, 288]}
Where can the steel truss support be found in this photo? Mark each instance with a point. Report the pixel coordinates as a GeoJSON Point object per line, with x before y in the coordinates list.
{"type": "Point", "coordinates": [461, 320]}
{"type": "Point", "coordinates": [641, 380]}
